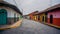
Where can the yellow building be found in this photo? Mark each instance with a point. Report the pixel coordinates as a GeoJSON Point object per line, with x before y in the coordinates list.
{"type": "Point", "coordinates": [35, 17]}
{"type": "Point", "coordinates": [43, 17]}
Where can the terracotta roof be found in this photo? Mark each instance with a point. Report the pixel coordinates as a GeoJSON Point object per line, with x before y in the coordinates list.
{"type": "Point", "coordinates": [6, 4]}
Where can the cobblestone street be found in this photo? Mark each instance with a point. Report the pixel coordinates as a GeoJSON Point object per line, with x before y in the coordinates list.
{"type": "Point", "coordinates": [31, 27]}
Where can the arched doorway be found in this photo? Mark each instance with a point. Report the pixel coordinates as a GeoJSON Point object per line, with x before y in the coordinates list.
{"type": "Point", "coordinates": [51, 19]}
{"type": "Point", "coordinates": [3, 17]}
{"type": "Point", "coordinates": [38, 17]}
{"type": "Point", "coordinates": [43, 18]}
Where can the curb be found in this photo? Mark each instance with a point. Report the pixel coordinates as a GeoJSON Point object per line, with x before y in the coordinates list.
{"type": "Point", "coordinates": [53, 25]}
{"type": "Point", "coordinates": [17, 24]}
{"type": "Point", "coordinates": [58, 27]}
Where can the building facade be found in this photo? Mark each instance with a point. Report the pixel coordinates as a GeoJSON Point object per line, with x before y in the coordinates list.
{"type": "Point", "coordinates": [9, 14]}
{"type": "Point", "coordinates": [32, 16]}
{"type": "Point", "coordinates": [54, 17]}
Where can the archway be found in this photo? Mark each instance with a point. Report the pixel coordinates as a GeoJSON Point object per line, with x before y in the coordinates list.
{"type": "Point", "coordinates": [43, 18]}
{"type": "Point", "coordinates": [3, 17]}
{"type": "Point", "coordinates": [51, 19]}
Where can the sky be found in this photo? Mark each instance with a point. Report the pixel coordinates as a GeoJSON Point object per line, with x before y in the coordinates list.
{"type": "Point", "coordinates": [29, 6]}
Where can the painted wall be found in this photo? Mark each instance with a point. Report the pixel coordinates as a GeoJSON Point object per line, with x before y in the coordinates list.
{"type": "Point", "coordinates": [31, 16]}
{"type": "Point", "coordinates": [10, 15]}
{"type": "Point", "coordinates": [41, 17]}
{"type": "Point", "coordinates": [10, 12]}
{"type": "Point", "coordinates": [56, 17]}
{"type": "Point", "coordinates": [36, 17]}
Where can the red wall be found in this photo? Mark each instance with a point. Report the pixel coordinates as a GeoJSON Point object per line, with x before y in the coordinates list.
{"type": "Point", "coordinates": [56, 21]}
{"type": "Point", "coordinates": [31, 17]}
{"type": "Point", "coordinates": [56, 17]}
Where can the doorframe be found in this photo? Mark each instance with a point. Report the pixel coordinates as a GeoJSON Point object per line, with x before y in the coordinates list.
{"type": "Point", "coordinates": [6, 14]}
{"type": "Point", "coordinates": [42, 18]}
{"type": "Point", "coordinates": [51, 19]}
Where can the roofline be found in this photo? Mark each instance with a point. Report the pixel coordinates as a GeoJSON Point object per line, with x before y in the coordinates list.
{"type": "Point", "coordinates": [53, 7]}
{"type": "Point", "coordinates": [6, 4]}
{"type": "Point", "coordinates": [33, 12]}
{"type": "Point", "coordinates": [50, 8]}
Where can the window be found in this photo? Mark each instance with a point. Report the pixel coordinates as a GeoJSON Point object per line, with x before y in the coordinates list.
{"type": "Point", "coordinates": [15, 17]}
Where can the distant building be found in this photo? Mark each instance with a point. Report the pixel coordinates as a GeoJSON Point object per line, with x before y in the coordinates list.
{"type": "Point", "coordinates": [31, 15]}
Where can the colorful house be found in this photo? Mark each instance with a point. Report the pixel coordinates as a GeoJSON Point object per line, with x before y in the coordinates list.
{"type": "Point", "coordinates": [32, 17]}
{"type": "Point", "coordinates": [36, 17]}
{"type": "Point", "coordinates": [50, 16]}
{"type": "Point", "coordinates": [53, 16]}
{"type": "Point", "coordinates": [9, 14]}
{"type": "Point", "coordinates": [42, 17]}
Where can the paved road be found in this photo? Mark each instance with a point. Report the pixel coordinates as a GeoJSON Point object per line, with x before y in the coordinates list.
{"type": "Point", "coordinates": [32, 27]}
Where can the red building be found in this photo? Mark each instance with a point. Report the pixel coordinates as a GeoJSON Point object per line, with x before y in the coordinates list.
{"type": "Point", "coordinates": [31, 15]}
{"type": "Point", "coordinates": [53, 15]}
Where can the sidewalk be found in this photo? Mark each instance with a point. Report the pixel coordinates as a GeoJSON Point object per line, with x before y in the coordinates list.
{"type": "Point", "coordinates": [17, 24]}
{"type": "Point", "coordinates": [52, 25]}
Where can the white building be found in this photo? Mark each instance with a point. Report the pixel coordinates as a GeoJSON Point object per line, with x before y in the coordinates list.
{"type": "Point", "coordinates": [9, 13]}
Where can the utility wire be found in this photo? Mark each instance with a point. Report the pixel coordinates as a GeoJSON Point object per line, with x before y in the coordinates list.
{"type": "Point", "coordinates": [17, 5]}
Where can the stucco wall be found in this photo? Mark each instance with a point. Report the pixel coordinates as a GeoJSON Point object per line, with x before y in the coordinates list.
{"type": "Point", "coordinates": [56, 14]}
{"type": "Point", "coordinates": [41, 17]}
{"type": "Point", "coordinates": [10, 12]}
{"type": "Point", "coordinates": [10, 15]}
{"type": "Point", "coordinates": [56, 17]}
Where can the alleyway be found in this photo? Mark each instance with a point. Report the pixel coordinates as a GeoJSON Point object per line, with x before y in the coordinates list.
{"type": "Point", "coordinates": [32, 27]}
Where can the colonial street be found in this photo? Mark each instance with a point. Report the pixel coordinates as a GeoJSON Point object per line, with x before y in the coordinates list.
{"type": "Point", "coordinates": [32, 27]}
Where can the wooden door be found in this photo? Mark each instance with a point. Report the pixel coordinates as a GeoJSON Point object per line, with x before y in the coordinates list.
{"type": "Point", "coordinates": [3, 17]}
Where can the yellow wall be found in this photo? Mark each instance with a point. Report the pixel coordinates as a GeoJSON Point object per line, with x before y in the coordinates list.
{"type": "Point", "coordinates": [35, 17]}
{"type": "Point", "coordinates": [41, 16]}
